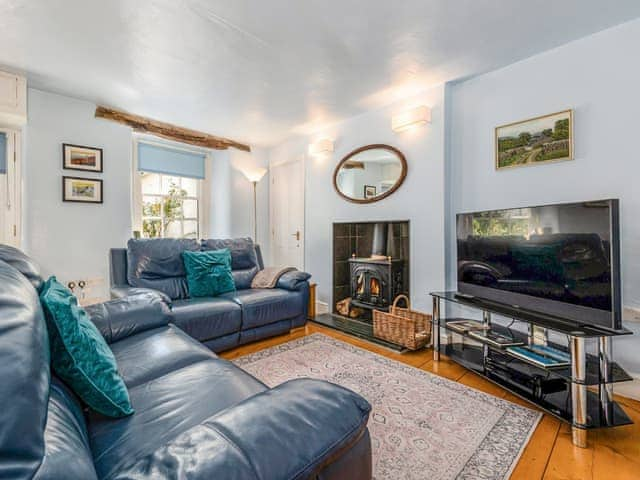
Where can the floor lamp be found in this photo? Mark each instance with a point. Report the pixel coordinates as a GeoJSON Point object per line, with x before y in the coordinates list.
{"type": "Point", "coordinates": [254, 176]}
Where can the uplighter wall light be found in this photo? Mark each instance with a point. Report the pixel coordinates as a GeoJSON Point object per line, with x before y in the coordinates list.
{"type": "Point", "coordinates": [321, 147]}
{"type": "Point", "coordinates": [411, 118]}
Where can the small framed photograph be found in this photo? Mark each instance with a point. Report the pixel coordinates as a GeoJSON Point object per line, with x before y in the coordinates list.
{"type": "Point", "coordinates": [78, 157]}
{"type": "Point", "coordinates": [82, 190]}
{"type": "Point", "coordinates": [369, 191]}
{"type": "Point", "coordinates": [535, 141]}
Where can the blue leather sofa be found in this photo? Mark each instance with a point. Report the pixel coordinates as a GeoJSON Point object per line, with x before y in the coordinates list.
{"type": "Point", "coordinates": [196, 416]}
{"type": "Point", "coordinates": [222, 322]}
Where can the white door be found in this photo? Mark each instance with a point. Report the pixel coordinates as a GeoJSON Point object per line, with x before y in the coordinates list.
{"type": "Point", "coordinates": [10, 188]}
{"type": "Point", "coordinates": [287, 213]}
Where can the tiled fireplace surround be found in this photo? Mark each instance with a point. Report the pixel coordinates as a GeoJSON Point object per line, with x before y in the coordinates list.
{"type": "Point", "coordinates": [356, 239]}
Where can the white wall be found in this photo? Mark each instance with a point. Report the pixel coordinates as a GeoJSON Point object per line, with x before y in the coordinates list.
{"type": "Point", "coordinates": [72, 240]}
{"type": "Point", "coordinates": [232, 197]}
{"type": "Point", "coordinates": [598, 77]}
{"type": "Point", "coordinates": [420, 199]}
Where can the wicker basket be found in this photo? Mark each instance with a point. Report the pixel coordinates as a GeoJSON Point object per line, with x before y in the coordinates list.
{"type": "Point", "coordinates": [402, 326]}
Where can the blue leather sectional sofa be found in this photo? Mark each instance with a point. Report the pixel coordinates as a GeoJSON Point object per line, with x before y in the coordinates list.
{"type": "Point", "coordinates": [221, 322]}
{"type": "Point", "coordinates": [196, 416]}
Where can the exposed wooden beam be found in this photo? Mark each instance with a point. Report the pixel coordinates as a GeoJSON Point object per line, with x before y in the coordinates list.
{"type": "Point", "coordinates": [168, 131]}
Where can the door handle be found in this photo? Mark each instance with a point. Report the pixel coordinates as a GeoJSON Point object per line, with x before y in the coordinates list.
{"type": "Point", "coordinates": [297, 235]}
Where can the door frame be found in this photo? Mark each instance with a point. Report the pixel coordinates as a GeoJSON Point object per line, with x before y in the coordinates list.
{"type": "Point", "coordinates": [13, 181]}
{"type": "Point", "coordinates": [302, 158]}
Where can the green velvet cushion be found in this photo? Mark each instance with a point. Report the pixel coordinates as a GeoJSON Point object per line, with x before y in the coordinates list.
{"type": "Point", "coordinates": [209, 272]}
{"type": "Point", "coordinates": [79, 354]}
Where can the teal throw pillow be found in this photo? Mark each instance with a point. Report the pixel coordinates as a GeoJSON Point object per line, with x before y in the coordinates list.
{"type": "Point", "coordinates": [79, 354]}
{"type": "Point", "coordinates": [209, 272]}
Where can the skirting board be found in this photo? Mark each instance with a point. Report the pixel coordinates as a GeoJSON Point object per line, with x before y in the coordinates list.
{"type": "Point", "coordinates": [629, 389]}
{"type": "Point", "coordinates": [321, 307]}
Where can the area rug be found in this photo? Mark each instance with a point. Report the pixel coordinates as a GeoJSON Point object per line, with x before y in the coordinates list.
{"type": "Point", "coordinates": [422, 426]}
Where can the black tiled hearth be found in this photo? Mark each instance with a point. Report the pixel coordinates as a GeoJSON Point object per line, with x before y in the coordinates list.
{"type": "Point", "coordinates": [353, 327]}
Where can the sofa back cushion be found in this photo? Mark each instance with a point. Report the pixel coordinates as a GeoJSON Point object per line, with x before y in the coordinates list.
{"type": "Point", "coordinates": [244, 261]}
{"type": "Point", "coordinates": [67, 452]}
{"type": "Point", "coordinates": [23, 263]}
{"type": "Point", "coordinates": [157, 263]}
{"type": "Point", "coordinates": [24, 370]}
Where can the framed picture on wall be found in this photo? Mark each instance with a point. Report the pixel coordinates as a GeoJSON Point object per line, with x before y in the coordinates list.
{"type": "Point", "coordinates": [369, 191]}
{"type": "Point", "coordinates": [81, 190]}
{"type": "Point", "coordinates": [535, 141]}
{"type": "Point", "coordinates": [78, 157]}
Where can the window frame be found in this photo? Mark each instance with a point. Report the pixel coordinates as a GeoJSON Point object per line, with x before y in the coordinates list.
{"type": "Point", "coordinates": [202, 187]}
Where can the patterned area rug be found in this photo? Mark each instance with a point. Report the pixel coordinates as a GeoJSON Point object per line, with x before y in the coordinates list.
{"type": "Point", "coordinates": [422, 426]}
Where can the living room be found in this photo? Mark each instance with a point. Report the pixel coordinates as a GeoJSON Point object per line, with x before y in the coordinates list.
{"type": "Point", "coordinates": [185, 207]}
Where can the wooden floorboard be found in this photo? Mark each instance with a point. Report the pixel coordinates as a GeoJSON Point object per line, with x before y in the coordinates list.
{"type": "Point", "coordinates": [549, 455]}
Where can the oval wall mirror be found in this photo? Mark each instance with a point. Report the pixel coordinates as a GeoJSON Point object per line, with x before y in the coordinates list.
{"type": "Point", "coordinates": [370, 173]}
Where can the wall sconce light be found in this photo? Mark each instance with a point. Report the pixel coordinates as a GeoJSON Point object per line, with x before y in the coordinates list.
{"type": "Point", "coordinates": [411, 118]}
{"type": "Point", "coordinates": [321, 147]}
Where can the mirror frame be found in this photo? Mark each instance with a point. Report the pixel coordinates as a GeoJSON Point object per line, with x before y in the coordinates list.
{"type": "Point", "coordinates": [396, 186]}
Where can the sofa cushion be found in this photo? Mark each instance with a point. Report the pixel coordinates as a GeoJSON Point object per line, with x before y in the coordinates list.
{"type": "Point", "coordinates": [208, 273]}
{"type": "Point", "coordinates": [79, 353]}
{"type": "Point", "coordinates": [67, 452]}
{"type": "Point", "coordinates": [244, 261]}
{"type": "Point", "coordinates": [157, 263]}
{"type": "Point", "coordinates": [153, 353]}
{"type": "Point", "coordinates": [23, 263]}
{"type": "Point", "coordinates": [166, 407]}
{"type": "Point", "coordinates": [264, 306]}
{"type": "Point", "coordinates": [24, 373]}
{"type": "Point", "coordinates": [206, 318]}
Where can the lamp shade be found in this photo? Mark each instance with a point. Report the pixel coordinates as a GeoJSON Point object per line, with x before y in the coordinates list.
{"type": "Point", "coordinates": [255, 174]}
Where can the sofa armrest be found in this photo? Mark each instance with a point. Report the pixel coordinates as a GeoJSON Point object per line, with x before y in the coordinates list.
{"type": "Point", "coordinates": [308, 425]}
{"type": "Point", "coordinates": [293, 280]}
{"type": "Point", "coordinates": [122, 317]}
{"type": "Point", "coordinates": [121, 291]}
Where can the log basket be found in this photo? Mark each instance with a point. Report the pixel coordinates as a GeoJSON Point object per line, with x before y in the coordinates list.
{"type": "Point", "coordinates": [403, 326]}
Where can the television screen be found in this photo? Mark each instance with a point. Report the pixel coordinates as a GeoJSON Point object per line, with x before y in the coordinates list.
{"type": "Point", "coordinates": [560, 260]}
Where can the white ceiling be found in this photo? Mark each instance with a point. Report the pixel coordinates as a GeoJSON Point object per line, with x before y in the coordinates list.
{"type": "Point", "coordinates": [262, 70]}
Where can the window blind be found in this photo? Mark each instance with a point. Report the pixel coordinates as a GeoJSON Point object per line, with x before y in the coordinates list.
{"type": "Point", "coordinates": [3, 153]}
{"type": "Point", "coordinates": [170, 161]}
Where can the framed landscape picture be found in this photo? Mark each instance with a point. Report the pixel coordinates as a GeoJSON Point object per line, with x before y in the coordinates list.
{"type": "Point", "coordinates": [77, 157]}
{"type": "Point", "coordinates": [369, 191]}
{"type": "Point", "coordinates": [535, 141]}
{"type": "Point", "coordinates": [83, 190]}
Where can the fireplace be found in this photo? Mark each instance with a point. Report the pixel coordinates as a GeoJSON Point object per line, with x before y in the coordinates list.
{"type": "Point", "coordinates": [371, 266]}
{"type": "Point", "coordinates": [375, 283]}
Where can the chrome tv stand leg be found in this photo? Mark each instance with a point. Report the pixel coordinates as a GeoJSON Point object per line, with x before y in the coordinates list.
{"type": "Point", "coordinates": [436, 329]}
{"type": "Point", "coordinates": [578, 391]}
{"type": "Point", "coordinates": [606, 387]}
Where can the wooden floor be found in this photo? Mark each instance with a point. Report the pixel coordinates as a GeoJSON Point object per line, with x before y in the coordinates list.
{"type": "Point", "coordinates": [612, 453]}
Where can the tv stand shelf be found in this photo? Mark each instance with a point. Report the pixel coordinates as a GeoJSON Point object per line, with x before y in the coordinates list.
{"type": "Point", "coordinates": [580, 394]}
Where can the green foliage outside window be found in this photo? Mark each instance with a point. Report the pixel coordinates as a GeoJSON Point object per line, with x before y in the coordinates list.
{"type": "Point", "coordinates": [171, 208]}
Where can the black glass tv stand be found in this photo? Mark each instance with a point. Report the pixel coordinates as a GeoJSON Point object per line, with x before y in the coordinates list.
{"type": "Point", "coordinates": [580, 393]}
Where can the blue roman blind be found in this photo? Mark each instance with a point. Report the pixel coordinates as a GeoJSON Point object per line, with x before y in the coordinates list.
{"type": "Point", "coordinates": [170, 161]}
{"type": "Point", "coordinates": [3, 153]}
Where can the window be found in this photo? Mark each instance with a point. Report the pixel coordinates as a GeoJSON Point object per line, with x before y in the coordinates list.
{"type": "Point", "coordinates": [169, 190]}
{"type": "Point", "coordinates": [169, 206]}
{"type": "Point", "coordinates": [500, 223]}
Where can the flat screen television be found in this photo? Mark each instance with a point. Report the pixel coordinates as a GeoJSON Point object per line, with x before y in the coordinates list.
{"type": "Point", "coordinates": [560, 260]}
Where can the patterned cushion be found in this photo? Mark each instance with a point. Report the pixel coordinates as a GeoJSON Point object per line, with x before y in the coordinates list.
{"type": "Point", "coordinates": [208, 273]}
{"type": "Point", "coordinates": [80, 355]}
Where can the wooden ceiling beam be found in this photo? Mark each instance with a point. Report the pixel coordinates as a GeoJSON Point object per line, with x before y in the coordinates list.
{"type": "Point", "coordinates": [169, 131]}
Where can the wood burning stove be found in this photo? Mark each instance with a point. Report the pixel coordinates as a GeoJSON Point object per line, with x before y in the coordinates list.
{"type": "Point", "coordinates": [376, 282]}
